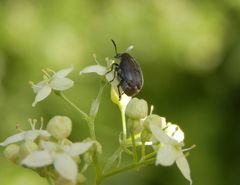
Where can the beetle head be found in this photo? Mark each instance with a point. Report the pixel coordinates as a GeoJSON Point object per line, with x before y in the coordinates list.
{"type": "Point", "coordinates": [118, 55]}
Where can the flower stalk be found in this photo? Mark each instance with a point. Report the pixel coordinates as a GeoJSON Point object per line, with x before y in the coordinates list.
{"type": "Point", "coordinates": [129, 167]}
{"type": "Point", "coordinates": [124, 125]}
{"type": "Point", "coordinates": [64, 97]}
{"type": "Point", "coordinates": [50, 180]}
{"type": "Point", "coordinates": [143, 150]}
{"type": "Point", "coordinates": [134, 148]}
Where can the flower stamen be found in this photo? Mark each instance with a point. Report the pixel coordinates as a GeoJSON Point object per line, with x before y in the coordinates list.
{"type": "Point", "coordinates": [51, 71]}
{"type": "Point", "coordinates": [190, 148]}
{"type": "Point", "coordinates": [31, 83]}
{"type": "Point", "coordinates": [95, 58]}
{"type": "Point", "coordinates": [46, 73]}
{"type": "Point", "coordinates": [42, 121]}
{"type": "Point", "coordinates": [18, 127]}
{"type": "Point", "coordinates": [151, 109]}
{"type": "Point", "coordinates": [32, 123]}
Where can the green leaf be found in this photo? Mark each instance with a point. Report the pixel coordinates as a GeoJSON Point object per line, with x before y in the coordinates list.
{"type": "Point", "coordinates": [114, 161]}
{"type": "Point", "coordinates": [95, 104]}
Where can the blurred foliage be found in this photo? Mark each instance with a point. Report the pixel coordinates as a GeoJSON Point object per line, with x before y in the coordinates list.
{"type": "Point", "coordinates": [189, 52]}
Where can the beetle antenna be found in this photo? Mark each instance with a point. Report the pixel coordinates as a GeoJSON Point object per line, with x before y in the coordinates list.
{"type": "Point", "coordinates": [115, 46]}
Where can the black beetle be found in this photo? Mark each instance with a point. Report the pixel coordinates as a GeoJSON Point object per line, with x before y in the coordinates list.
{"type": "Point", "coordinates": [129, 74]}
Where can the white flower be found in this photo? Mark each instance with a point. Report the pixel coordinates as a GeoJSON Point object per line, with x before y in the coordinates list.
{"type": "Point", "coordinates": [170, 149]}
{"type": "Point", "coordinates": [100, 70]}
{"type": "Point", "coordinates": [61, 156]}
{"type": "Point", "coordinates": [57, 81]}
{"type": "Point", "coordinates": [109, 75]}
{"type": "Point", "coordinates": [25, 135]}
{"type": "Point", "coordinates": [29, 135]}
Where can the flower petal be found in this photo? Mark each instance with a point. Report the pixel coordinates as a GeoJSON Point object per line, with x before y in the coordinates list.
{"type": "Point", "coordinates": [31, 135]}
{"type": "Point", "coordinates": [129, 48]}
{"type": "Point", "coordinates": [13, 139]}
{"type": "Point", "coordinates": [61, 84]}
{"type": "Point", "coordinates": [166, 155]}
{"type": "Point", "coordinates": [99, 69]}
{"type": "Point", "coordinates": [78, 148]}
{"type": "Point", "coordinates": [110, 77]}
{"type": "Point", "coordinates": [184, 167]}
{"type": "Point", "coordinates": [44, 133]}
{"type": "Point", "coordinates": [38, 86]}
{"type": "Point", "coordinates": [42, 94]}
{"type": "Point", "coordinates": [174, 131]}
{"type": "Point", "coordinates": [37, 159]}
{"type": "Point", "coordinates": [49, 146]}
{"type": "Point", "coordinates": [66, 167]}
{"type": "Point", "coordinates": [159, 134]}
{"type": "Point", "coordinates": [64, 72]}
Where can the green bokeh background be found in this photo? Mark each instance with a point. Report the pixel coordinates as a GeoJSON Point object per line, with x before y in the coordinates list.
{"type": "Point", "coordinates": [189, 52]}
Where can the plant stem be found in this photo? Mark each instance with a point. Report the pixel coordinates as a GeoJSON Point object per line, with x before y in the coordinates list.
{"type": "Point", "coordinates": [134, 149]}
{"type": "Point", "coordinates": [50, 181]}
{"type": "Point", "coordinates": [124, 125]}
{"type": "Point", "coordinates": [85, 115]}
{"type": "Point", "coordinates": [98, 171]}
{"type": "Point", "coordinates": [125, 149]}
{"type": "Point", "coordinates": [129, 167]}
{"type": "Point", "coordinates": [149, 156]}
{"type": "Point", "coordinates": [143, 150]}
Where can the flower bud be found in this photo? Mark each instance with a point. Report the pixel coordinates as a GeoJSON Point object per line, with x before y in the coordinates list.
{"type": "Point", "coordinates": [60, 127]}
{"type": "Point", "coordinates": [137, 109]}
{"type": "Point", "coordinates": [62, 181]}
{"type": "Point", "coordinates": [134, 125]}
{"type": "Point", "coordinates": [145, 135]}
{"type": "Point", "coordinates": [155, 119]}
{"type": "Point", "coordinates": [27, 147]}
{"type": "Point", "coordinates": [81, 178]}
{"type": "Point", "coordinates": [11, 152]}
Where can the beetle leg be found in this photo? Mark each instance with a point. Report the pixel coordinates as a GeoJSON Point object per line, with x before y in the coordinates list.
{"type": "Point", "coordinates": [114, 74]}
{"type": "Point", "coordinates": [112, 66]}
{"type": "Point", "coordinates": [115, 70]}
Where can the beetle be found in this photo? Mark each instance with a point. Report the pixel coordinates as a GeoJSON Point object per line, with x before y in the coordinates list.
{"type": "Point", "coordinates": [128, 73]}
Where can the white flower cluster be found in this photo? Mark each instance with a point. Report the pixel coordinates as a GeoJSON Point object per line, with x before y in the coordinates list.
{"type": "Point", "coordinates": [51, 154]}
{"type": "Point", "coordinates": [38, 148]}
{"type": "Point", "coordinates": [165, 138]}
